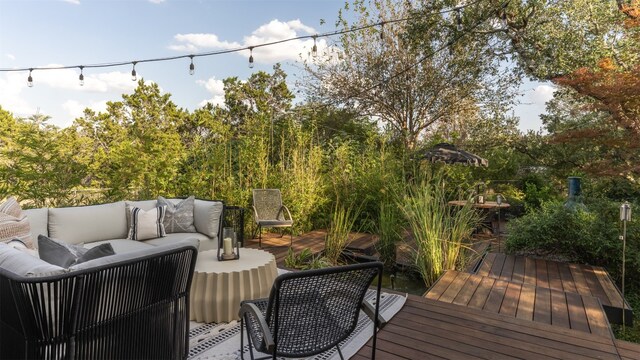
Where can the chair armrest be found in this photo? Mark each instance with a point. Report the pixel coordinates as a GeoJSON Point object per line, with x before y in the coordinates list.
{"type": "Point", "coordinates": [252, 309]}
{"type": "Point", "coordinates": [255, 213]}
{"type": "Point", "coordinates": [285, 209]}
{"type": "Point", "coordinates": [371, 311]}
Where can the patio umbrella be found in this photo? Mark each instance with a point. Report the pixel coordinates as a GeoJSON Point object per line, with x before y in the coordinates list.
{"type": "Point", "coordinates": [450, 154]}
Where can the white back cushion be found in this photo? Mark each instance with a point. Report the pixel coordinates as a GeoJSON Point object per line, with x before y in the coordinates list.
{"type": "Point", "coordinates": [80, 224]}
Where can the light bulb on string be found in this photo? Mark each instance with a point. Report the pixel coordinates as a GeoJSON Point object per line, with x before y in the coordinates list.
{"type": "Point", "coordinates": [251, 57]}
{"type": "Point", "coordinates": [81, 78]}
{"type": "Point", "coordinates": [314, 49]}
{"type": "Point", "coordinates": [458, 19]}
{"type": "Point", "coordinates": [192, 68]}
{"type": "Point", "coordinates": [134, 75]}
{"type": "Point", "coordinates": [382, 30]}
{"type": "Point", "coordinates": [30, 79]}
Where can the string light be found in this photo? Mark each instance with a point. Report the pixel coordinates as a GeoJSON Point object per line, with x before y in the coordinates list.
{"type": "Point", "coordinates": [459, 27]}
{"type": "Point", "coordinates": [134, 75]}
{"type": "Point", "coordinates": [81, 76]}
{"type": "Point", "coordinates": [314, 49]}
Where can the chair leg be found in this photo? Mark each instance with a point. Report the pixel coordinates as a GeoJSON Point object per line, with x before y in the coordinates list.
{"type": "Point", "coordinates": [241, 338]}
{"type": "Point", "coordinates": [260, 236]}
{"type": "Point", "coordinates": [340, 352]}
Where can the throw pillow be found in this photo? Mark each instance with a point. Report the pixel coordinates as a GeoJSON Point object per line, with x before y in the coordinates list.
{"type": "Point", "coordinates": [14, 223]}
{"type": "Point", "coordinates": [147, 224]}
{"type": "Point", "coordinates": [65, 255]}
{"type": "Point", "coordinates": [179, 217]}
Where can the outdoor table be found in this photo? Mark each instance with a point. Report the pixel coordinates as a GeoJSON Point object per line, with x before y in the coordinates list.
{"type": "Point", "coordinates": [488, 205]}
{"type": "Point", "coordinates": [218, 287]}
{"type": "Point", "coordinates": [485, 207]}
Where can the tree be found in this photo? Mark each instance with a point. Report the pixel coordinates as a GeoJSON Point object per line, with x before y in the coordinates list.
{"type": "Point", "coordinates": [38, 161]}
{"type": "Point", "coordinates": [381, 73]}
{"type": "Point", "coordinates": [135, 147]}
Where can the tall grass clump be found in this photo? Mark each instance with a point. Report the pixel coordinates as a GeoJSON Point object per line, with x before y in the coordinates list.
{"type": "Point", "coordinates": [389, 229]}
{"type": "Point", "coordinates": [440, 231]}
{"type": "Point", "coordinates": [342, 221]}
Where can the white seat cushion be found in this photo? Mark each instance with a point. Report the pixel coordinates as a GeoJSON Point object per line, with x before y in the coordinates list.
{"type": "Point", "coordinates": [121, 246]}
{"type": "Point", "coordinates": [84, 224]}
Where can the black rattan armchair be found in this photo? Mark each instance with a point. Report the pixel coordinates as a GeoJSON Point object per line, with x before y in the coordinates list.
{"type": "Point", "coordinates": [136, 307]}
{"type": "Point", "coordinates": [309, 312]}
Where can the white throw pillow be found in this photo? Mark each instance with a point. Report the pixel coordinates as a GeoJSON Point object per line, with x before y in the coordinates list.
{"type": "Point", "coordinates": [146, 224]}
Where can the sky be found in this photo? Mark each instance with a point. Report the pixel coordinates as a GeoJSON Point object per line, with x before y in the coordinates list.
{"type": "Point", "coordinates": [38, 33]}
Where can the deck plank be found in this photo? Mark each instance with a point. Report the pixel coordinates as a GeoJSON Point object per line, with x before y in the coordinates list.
{"type": "Point", "coordinates": [423, 325]}
{"type": "Point", "coordinates": [518, 270]}
{"type": "Point", "coordinates": [454, 288]}
{"type": "Point", "coordinates": [526, 302]}
{"type": "Point", "coordinates": [467, 291]}
{"type": "Point", "coordinates": [436, 291]}
{"type": "Point", "coordinates": [613, 294]}
{"type": "Point", "coordinates": [594, 285]}
{"type": "Point", "coordinates": [496, 295]}
{"type": "Point", "coordinates": [511, 299]}
{"type": "Point", "coordinates": [542, 307]}
{"type": "Point", "coordinates": [481, 294]}
{"type": "Point", "coordinates": [486, 264]}
{"type": "Point", "coordinates": [553, 273]}
{"type": "Point", "coordinates": [496, 268]}
{"type": "Point", "coordinates": [530, 271]}
{"type": "Point", "coordinates": [567, 279]}
{"type": "Point", "coordinates": [542, 278]}
{"type": "Point", "coordinates": [507, 268]}
{"type": "Point", "coordinates": [598, 323]}
{"type": "Point", "coordinates": [577, 313]}
{"type": "Point", "coordinates": [559, 309]}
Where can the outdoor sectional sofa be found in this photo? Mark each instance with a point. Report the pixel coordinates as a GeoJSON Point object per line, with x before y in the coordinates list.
{"type": "Point", "coordinates": [133, 304]}
{"type": "Point", "coordinates": [97, 224]}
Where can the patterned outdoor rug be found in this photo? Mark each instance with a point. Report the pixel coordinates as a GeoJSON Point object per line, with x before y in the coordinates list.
{"type": "Point", "coordinates": [222, 341]}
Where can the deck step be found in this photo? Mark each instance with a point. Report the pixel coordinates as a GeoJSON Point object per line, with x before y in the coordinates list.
{"type": "Point", "coordinates": [522, 301]}
{"type": "Point", "coordinates": [575, 278]}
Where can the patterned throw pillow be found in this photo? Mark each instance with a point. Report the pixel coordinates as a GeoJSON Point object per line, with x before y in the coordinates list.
{"type": "Point", "coordinates": [13, 223]}
{"type": "Point", "coordinates": [65, 255]}
{"type": "Point", "coordinates": [179, 217]}
{"type": "Point", "coordinates": [147, 224]}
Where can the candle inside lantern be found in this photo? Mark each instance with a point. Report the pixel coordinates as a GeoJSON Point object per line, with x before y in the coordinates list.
{"type": "Point", "coordinates": [227, 246]}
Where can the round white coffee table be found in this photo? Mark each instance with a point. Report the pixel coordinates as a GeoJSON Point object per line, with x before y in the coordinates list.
{"type": "Point", "coordinates": [219, 286]}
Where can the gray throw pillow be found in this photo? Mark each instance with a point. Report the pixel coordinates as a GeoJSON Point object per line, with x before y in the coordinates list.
{"type": "Point", "coordinates": [65, 255]}
{"type": "Point", "coordinates": [178, 217]}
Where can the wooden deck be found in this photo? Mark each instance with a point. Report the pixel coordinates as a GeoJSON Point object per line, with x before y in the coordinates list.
{"type": "Point", "coordinates": [522, 301]}
{"type": "Point", "coordinates": [573, 278]}
{"type": "Point", "coordinates": [314, 241]}
{"type": "Point", "coordinates": [429, 329]}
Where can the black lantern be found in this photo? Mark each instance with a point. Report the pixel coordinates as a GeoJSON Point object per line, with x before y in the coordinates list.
{"type": "Point", "coordinates": [232, 233]}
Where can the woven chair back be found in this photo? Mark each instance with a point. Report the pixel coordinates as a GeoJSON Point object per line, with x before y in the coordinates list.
{"type": "Point", "coordinates": [312, 311]}
{"type": "Point", "coordinates": [268, 203]}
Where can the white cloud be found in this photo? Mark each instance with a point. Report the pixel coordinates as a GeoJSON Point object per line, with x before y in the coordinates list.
{"type": "Point", "coordinates": [12, 85]}
{"type": "Point", "coordinates": [273, 31]}
{"type": "Point", "coordinates": [216, 88]}
{"type": "Point", "coordinates": [74, 2]}
{"type": "Point", "coordinates": [76, 109]}
{"type": "Point", "coordinates": [196, 42]}
{"type": "Point", "coordinates": [156, 1]}
{"type": "Point", "coordinates": [542, 93]}
{"type": "Point", "coordinates": [10, 56]}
